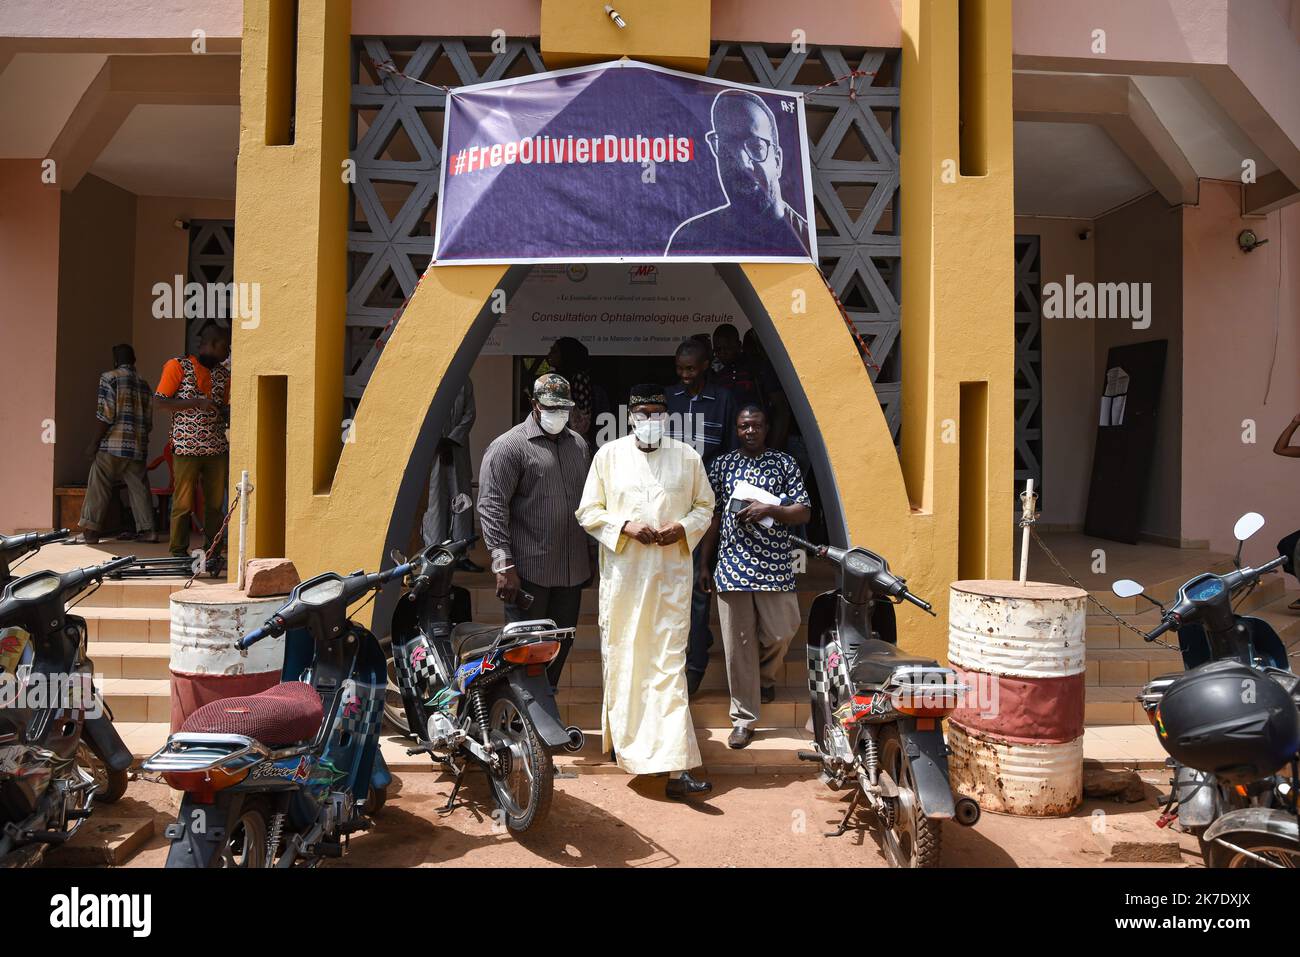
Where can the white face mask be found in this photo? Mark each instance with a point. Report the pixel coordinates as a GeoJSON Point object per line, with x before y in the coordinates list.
{"type": "Point", "coordinates": [554, 421]}
{"type": "Point", "coordinates": [649, 431]}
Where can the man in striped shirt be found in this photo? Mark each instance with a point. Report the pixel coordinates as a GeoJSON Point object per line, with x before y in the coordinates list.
{"type": "Point", "coordinates": [530, 484]}
{"type": "Point", "coordinates": [120, 448]}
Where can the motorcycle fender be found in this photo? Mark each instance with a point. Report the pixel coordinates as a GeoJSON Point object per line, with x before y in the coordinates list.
{"type": "Point", "coordinates": [106, 742]}
{"type": "Point", "coordinates": [929, 759]}
{"type": "Point", "coordinates": [1197, 796]}
{"type": "Point", "coordinates": [380, 777]}
{"type": "Point", "coordinates": [199, 832]}
{"type": "Point", "coordinates": [1255, 820]}
{"type": "Point", "coordinates": [535, 693]}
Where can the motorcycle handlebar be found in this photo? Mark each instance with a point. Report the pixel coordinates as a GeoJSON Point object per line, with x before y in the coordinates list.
{"type": "Point", "coordinates": [1161, 628]}
{"type": "Point", "coordinates": [271, 628]}
{"type": "Point", "coordinates": [919, 603]}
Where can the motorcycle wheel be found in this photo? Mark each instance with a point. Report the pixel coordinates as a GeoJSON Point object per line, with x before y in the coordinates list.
{"type": "Point", "coordinates": [911, 839]}
{"type": "Point", "coordinates": [246, 839]}
{"type": "Point", "coordinates": [525, 783]}
{"type": "Point", "coordinates": [394, 708]}
{"type": "Point", "coordinates": [110, 785]}
{"type": "Point", "coordinates": [1276, 849]}
{"type": "Point", "coordinates": [376, 800]}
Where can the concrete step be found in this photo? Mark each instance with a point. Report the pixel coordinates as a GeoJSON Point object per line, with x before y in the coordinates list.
{"type": "Point", "coordinates": [126, 623]}
{"type": "Point", "coordinates": [138, 699]}
{"type": "Point", "coordinates": [1112, 705]}
{"type": "Point", "coordinates": [139, 593]}
{"type": "Point", "coordinates": [130, 659]}
{"type": "Point", "coordinates": [1125, 667]}
{"type": "Point", "coordinates": [1284, 621]}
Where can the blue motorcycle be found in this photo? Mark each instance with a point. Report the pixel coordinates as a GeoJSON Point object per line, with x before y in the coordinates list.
{"type": "Point", "coordinates": [282, 778]}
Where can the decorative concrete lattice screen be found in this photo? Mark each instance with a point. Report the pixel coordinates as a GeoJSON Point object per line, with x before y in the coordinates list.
{"type": "Point", "coordinates": [211, 264]}
{"type": "Point", "coordinates": [397, 139]}
{"type": "Point", "coordinates": [1029, 365]}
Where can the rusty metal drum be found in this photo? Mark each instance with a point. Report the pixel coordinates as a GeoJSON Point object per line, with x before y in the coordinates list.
{"type": "Point", "coordinates": [206, 622]}
{"type": "Point", "coordinates": [1017, 738]}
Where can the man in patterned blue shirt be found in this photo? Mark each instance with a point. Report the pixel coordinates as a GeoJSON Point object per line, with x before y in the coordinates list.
{"type": "Point", "coordinates": [757, 604]}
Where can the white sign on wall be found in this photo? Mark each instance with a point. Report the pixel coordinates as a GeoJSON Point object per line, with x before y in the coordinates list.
{"type": "Point", "coordinates": [614, 309]}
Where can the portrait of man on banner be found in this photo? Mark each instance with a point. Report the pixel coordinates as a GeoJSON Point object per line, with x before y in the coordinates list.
{"type": "Point", "coordinates": [746, 147]}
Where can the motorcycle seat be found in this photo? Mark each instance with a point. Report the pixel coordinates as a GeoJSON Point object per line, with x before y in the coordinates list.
{"type": "Point", "coordinates": [469, 639]}
{"type": "Point", "coordinates": [876, 660]}
{"type": "Point", "coordinates": [281, 715]}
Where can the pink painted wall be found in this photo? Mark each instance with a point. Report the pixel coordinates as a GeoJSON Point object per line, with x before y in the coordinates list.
{"type": "Point", "coordinates": [121, 19]}
{"type": "Point", "coordinates": [95, 262]}
{"type": "Point", "coordinates": [1069, 374]}
{"type": "Point", "coordinates": [1241, 316]}
{"type": "Point", "coordinates": [29, 283]}
{"type": "Point", "coordinates": [162, 252]}
{"type": "Point", "coordinates": [1171, 31]}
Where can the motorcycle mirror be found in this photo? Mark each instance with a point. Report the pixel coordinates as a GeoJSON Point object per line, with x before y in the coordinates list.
{"type": "Point", "coordinates": [397, 556]}
{"type": "Point", "coordinates": [1247, 525]}
{"type": "Point", "coordinates": [1127, 588]}
{"type": "Point", "coordinates": [461, 504]}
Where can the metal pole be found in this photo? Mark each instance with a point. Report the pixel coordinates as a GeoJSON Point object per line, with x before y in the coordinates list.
{"type": "Point", "coordinates": [1026, 518]}
{"type": "Point", "coordinates": [243, 524]}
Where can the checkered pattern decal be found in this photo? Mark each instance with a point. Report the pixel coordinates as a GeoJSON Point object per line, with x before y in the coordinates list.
{"type": "Point", "coordinates": [362, 709]}
{"type": "Point", "coordinates": [818, 682]}
{"type": "Point", "coordinates": [415, 665]}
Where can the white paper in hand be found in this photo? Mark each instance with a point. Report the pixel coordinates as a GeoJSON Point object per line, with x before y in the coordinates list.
{"type": "Point", "coordinates": [752, 493]}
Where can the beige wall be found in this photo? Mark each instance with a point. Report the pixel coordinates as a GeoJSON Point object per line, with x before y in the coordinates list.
{"type": "Point", "coordinates": [29, 283]}
{"type": "Point", "coordinates": [161, 253]}
{"type": "Point", "coordinates": [1142, 242]}
{"type": "Point", "coordinates": [1070, 378]}
{"type": "Point", "coordinates": [96, 256]}
{"type": "Point", "coordinates": [1241, 318]}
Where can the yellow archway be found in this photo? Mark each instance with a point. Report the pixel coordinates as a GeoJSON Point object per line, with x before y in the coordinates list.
{"type": "Point", "coordinates": [943, 511]}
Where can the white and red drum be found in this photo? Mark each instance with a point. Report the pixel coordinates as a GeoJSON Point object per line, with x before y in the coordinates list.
{"type": "Point", "coordinates": [1017, 739]}
{"type": "Point", "coordinates": [206, 622]}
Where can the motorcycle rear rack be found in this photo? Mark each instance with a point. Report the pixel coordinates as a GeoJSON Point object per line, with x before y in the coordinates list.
{"type": "Point", "coordinates": [174, 756]}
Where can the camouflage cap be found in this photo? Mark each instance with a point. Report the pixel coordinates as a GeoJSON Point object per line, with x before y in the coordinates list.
{"type": "Point", "coordinates": [552, 391]}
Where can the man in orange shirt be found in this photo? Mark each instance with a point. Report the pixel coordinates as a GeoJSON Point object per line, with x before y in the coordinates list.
{"type": "Point", "coordinates": [196, 388]}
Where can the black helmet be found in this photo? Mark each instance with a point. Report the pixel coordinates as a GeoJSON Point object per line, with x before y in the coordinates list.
{"type": "Point", "coordinates": [1229, 720]}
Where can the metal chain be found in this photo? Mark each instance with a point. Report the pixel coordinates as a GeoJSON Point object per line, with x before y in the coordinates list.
{"type": "Point", "coordinates": [1078, 584]}
{"type": "Point", "coordinates": [216, 539]}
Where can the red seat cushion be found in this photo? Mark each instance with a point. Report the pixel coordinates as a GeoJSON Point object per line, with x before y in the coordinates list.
{"type": "Point", "coordinates": [282, 715]}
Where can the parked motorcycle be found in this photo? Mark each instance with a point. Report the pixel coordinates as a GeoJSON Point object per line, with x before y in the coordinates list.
{"type": "Point", "coordinates": [59, 751]}
{"type": "Point", "coordinates": [1224, 789]}
{"type": "Point", "coordinates": [877, 713]}
{"type": "Point", "coordinates": [479, 694]}
{"type": "Point", "coordinates": [283, 777]}
{"type": "Point", "coordinates": [15, 548]}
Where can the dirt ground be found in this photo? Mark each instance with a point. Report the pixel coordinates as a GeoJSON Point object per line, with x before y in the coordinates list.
{"type": "Point", "coordinates": [611, 820]}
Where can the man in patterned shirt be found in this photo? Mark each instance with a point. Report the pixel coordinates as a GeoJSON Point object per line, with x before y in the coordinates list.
{"type": "Point", "coordinates": [120, 447]}
{"type": "Point", "coordinates": [196, 389]}
{"type": "Point", "coordinates": [757, 604]}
